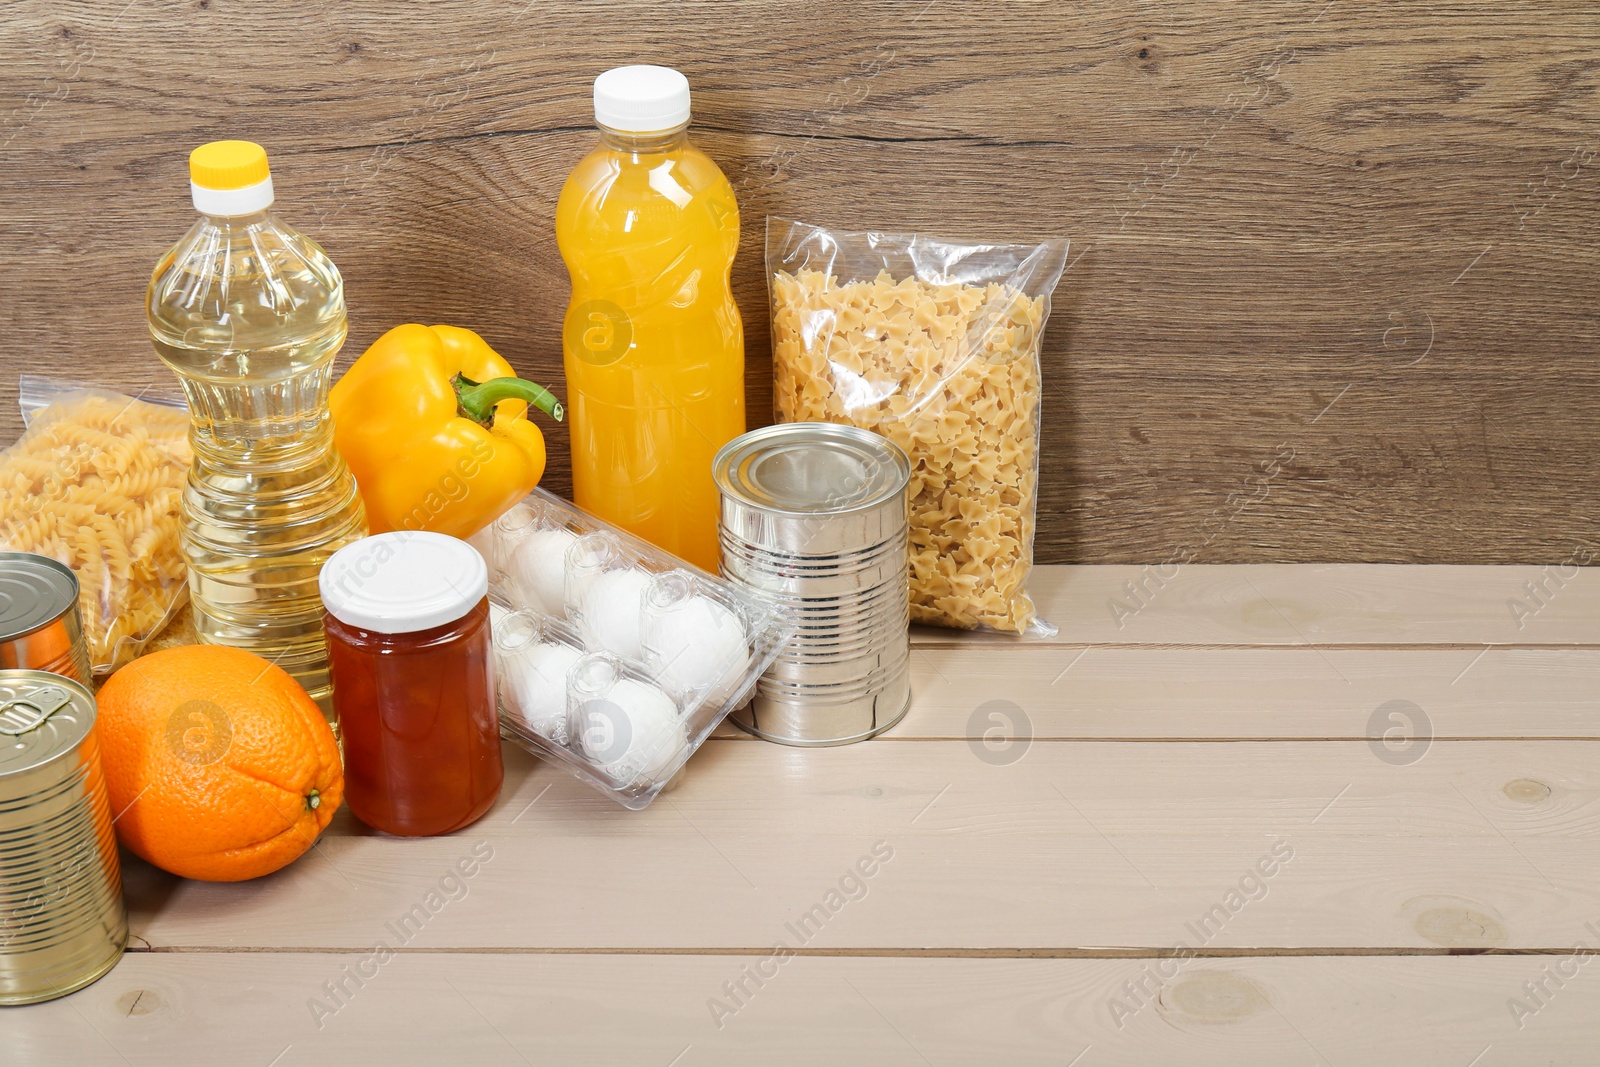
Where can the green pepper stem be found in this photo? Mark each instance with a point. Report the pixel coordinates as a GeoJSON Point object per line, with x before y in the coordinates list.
{"type": "Point", "coordinates": [476, 400]}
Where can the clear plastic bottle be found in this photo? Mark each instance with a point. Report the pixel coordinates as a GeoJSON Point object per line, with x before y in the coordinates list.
{"type": "Point", "coordinates": [250, 314]}
{"type": "Point", "coordinates": [653, 344]}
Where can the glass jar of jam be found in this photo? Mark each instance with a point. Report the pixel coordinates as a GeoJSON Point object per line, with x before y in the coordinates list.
{"type": "Point", "coordinates": [413, 681]}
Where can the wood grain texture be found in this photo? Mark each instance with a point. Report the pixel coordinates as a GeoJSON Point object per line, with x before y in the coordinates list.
{"type": "Point", "coordinates": [1224, 694]}
{"type": "Point", "coordinates": [1362, 605]}
{"type": "Point", "coordinates": [511, 1011]}
{"type": "Point", "coordinates": [1336, 605]}
{"type": "Point", "coordinates": [1350, 639]}
{"type": "Point", "coordinates": [1057, 848]}
{"type": "Point", "coordinates": [1360, 234]}
{"type": "Point", "coordinates": [1017, 890]}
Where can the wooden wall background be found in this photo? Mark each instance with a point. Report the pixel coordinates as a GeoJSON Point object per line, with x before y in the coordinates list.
{"type": "Point", "coordinates": [1358, 233]}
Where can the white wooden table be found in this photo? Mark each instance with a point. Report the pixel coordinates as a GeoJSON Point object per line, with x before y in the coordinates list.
{"type": "Point", "coordinates": [1204, 775]}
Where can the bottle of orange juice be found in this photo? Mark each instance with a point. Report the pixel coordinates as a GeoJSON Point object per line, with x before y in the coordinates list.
{"type": "Point", "coordinates": [653, 344]}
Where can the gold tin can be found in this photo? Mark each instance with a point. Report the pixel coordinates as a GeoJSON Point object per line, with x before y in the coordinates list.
{"type": "Point", "coordinates": [62, 923]}
{"type": "Point", "coordinates": [40, 626]}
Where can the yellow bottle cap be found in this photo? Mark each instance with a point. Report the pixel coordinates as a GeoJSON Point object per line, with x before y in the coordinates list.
{"type": "Point", "coordinates": [228, 165]}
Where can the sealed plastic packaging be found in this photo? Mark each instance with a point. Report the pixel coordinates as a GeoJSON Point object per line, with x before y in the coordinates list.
{"type": "Point", "coordinates": [96, 483]}
{"type": "Point", "coordinates": [935, 345]}
{"type": "Point", "coordinates": [613, 657]}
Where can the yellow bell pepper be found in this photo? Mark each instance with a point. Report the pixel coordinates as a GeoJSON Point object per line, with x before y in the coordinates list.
{"type": "Point", "coordinates": [433, 424]}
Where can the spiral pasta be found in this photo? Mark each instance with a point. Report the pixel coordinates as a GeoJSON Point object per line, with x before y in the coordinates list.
{"type": "Point", "coordinates": [96, 482]}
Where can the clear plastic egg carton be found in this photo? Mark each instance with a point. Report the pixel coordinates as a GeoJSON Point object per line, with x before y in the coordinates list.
{"type": "Point", "coordinates": [615, 658]}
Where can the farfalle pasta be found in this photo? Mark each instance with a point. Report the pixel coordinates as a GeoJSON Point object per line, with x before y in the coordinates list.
{"type": "Point", "coordinates": [935, 345]}
{"type": "Point", "coordinates": [96, 482]}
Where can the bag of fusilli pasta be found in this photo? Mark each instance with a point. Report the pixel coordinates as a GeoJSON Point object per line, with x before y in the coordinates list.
{"type": "Point", "coordinates": [934, 345]}
{"type": "Point", "coordinates": [96, 482]}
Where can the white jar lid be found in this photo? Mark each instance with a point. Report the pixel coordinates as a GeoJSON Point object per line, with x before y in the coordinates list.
{"type": "Point", "coordinates": [641, 99]}
{"type": "Point", "coordinates": [403, 581]}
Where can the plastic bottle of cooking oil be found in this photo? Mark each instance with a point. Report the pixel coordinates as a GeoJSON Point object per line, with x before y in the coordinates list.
{"type": "Point", "coordinates": [250, 313]}
{"type": "Point", "coordinates": [653, 344]}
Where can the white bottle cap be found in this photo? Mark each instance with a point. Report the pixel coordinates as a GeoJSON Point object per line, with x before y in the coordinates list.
{"type": "Point", "coordinates": [403, 581]}
{"type": "Point", "coordinates": [641, 99]}
{"type": "Point", "coordinates": [231, 202]}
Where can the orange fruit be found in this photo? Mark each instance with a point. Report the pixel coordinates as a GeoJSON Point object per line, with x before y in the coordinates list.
{"type": "Point", "coordinates": [218, 765]}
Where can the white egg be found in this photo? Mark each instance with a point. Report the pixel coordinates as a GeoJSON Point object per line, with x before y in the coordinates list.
{"type": "Point", "coordinates": [695, 644]}
{"type": "Point", "coordinates": [611, 610]}
{"type": "Point", "coordinates": [534, 686]}
{"type": "Point", "coordinates": [633, 731]}
{"type": "Point", "coordinates": [538, 569]}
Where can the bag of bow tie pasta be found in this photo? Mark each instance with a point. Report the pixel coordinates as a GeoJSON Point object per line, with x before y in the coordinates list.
{"type": "Point", "coordinates": [96, 482]}
{"type": "Point", "coordinates": [935, 345]}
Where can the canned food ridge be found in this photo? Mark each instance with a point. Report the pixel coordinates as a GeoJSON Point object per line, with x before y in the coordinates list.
{"type": "Point", "coordinates": [60, 881]}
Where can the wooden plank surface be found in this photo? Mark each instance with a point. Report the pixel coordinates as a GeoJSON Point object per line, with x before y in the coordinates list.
{"type": "Point", "coordinates": [500, 1009]}
{"type": "Point", "coordinates": [1325, 605]}
{"type": "Point", "coordinates": [1058, 847]}
{"type": "Point", "coordinates": [1263, 694]}
{"type": "Point", "coordinates": [1212, 788]}
{"type": "Point", "coordinates": [1361, 233]}
{"type": "Point", "coordinates": [1025, 813]}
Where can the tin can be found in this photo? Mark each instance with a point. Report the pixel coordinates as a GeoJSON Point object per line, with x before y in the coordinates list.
{"type": "Point", "coordinates": [62, 923]}
{"type": "Point", "coordinates": [40, 625]}
{"type": "Point", "coordinates": [814, 517]}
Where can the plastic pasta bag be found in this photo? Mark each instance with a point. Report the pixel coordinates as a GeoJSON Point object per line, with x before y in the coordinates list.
{"type": "Point", "coordinates": [96, 482]}
{"type": "Point", "coordinates": [935, 345]}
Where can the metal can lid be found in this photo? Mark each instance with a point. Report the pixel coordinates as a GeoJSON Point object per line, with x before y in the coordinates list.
{"type": "Point", "coordinates": [42, 716]}
{"type": "Point", "coordinates": [811, 468]}
{"type": "Point", "coordinates": [34, 591]}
